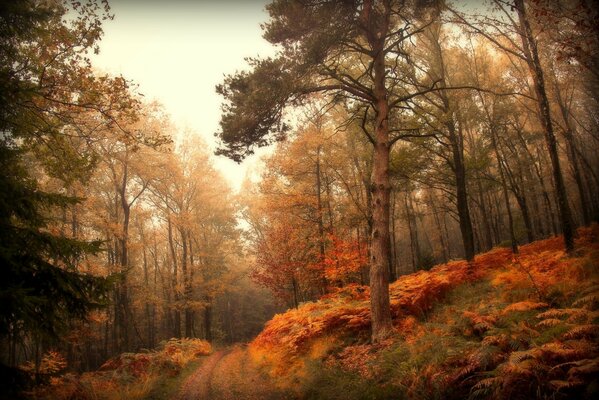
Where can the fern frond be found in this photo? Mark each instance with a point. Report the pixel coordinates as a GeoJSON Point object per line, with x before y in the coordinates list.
{"type": "Point", "coordinates": [590, 301]}
{"type": "Point", "coordinates": [549, 322]}
{"type": "Point", "coordinates": [591, 289]}
{"type": "Point", "coordinates": [561, 384]}
{"type": "Point", "coordinates": [582, 331]}
{"type": "Point", "coordinates": [524, 306]}
{"type": "Point", "coordinates": [583, 368]}
{"type": "Point", "coordinates": [518, 356]}
{"type": "Point", "coordinates": [572, 314]}
{"type": "Point", "coordinates": [484, 387]}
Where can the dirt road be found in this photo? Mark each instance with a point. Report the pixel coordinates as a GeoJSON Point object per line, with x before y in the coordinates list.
{"type": "Point", "coordinates": [199, 385]}
{"type": "Point", "coordinates": [230, 374]}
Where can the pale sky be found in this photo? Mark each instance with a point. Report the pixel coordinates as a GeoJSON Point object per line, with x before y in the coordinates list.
{"type": "Point", "coordinates": [177, 51]}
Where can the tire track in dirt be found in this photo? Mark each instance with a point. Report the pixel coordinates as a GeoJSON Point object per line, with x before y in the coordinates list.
{"type": "Point", "coordinates": [199, 385]}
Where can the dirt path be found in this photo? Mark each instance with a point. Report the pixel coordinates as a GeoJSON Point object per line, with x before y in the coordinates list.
{"type": "Point", "coordinates": [230, 374]}
{"type": "Point", "coordinates": [199, 385]}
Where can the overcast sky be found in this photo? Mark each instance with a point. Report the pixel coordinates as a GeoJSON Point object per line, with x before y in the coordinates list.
{"type": "Point", "coordinates": [177, 51]}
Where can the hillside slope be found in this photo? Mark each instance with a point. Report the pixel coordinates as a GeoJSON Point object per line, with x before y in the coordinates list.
{"type": "Point", "coordinates": [504, 327]}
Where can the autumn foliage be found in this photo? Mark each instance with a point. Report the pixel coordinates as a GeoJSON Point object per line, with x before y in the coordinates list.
{"type": "Point", "coordinates": [504, 326]}
{"type": "Point", "coordinates": [129, 375]}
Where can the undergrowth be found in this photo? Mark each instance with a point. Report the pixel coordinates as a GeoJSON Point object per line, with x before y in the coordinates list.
{"type": "Point", "coordinates": [129, 376]}
{"type": "Point", "coordinates": [518, 327]}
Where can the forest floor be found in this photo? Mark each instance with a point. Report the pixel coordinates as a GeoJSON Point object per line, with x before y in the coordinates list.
{"type": "Point", "coordinates": [230, 373]}
{"type": "Point", "coordinates": [505, 326]}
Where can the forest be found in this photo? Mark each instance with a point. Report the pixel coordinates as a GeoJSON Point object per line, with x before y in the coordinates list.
{"type": "Point", "coordinates": [422, 221]}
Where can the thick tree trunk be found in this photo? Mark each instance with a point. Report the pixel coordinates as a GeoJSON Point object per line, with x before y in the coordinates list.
{"type": "Point", "coordinates": [379, 268]}
{"type": "Point", "coordinates": [380, 306]}
{"type": "Point", "coordinates": [186, 284]}
{"type": "Point", "coordinates": [295, 288]}
{"type": "Point", "coordinates": [546, 201]}
{"type": "Point", "coordinates": [530, 47]}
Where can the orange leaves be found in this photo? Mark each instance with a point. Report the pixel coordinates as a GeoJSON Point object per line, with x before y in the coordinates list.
{"type": "Point", "coordinates": [349, 292]}
{"type": "Point", "coordinates": [479, 324]}
{"type": "Point", "coordinates": [51, 363]}
{"type": "Point", "coordinates": [543, 264]}
{"type": "Point", "coordinates": [343, 258]}
{"type": "Point", "coordinates": [127, 373]}
{"type": "Point", "coordinates": [524, 306]}
{"type": "Point", "coordinates": [356, 359]}
{"type": "Point", "coordinates": [559, 350]}
{"type": "Point", "coordinates": [282, 256]}
{"type": "Point", "coordinates": [288, 262]}
{"type": "Point", "coordinates": [347, 310]}
{"type": "Point", "coordinates": [172, 355]}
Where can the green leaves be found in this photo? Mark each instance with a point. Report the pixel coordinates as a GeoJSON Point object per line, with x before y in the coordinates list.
{"type": "Point", "coordinates": [253, 111]}
{"type": "Point", "coordinates": [42, 286]}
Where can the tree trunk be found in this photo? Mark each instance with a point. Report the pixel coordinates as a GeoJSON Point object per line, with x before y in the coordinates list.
{"type": "Point", "coordinates": [208, 321]}
{"type": "Point", "coordinates": [456, 140]}
{"type": "Point", "coordinates": [461, 193]}
{"type": "Point", "coordinates": [123, 290]}
{"type": "Point", "coordinates": [321, 238]}
{"type": "Point", "coordinates": [573, 157]}
{"type": "Point", "coordinates": [176, 297]}
{"type": "Point", "coordinates": [190, 313]}
{"type": "Point", "coordinates": [186, 284]}
{"type": "Point", "coordinates": [413, 229]}
{"type": "Point", "coordinates": [485, 215]}
{"type": "Point", "coordinates": [380, 306]}
{"type": "Point", "coordinates": [375, 24]}
{"type": "Point", "coordinates": [439, 228]}
{"type": "Point", "coordinates": [530, 48]}
{"type": "Point", "coordinates": [147, 286]}
{"type": "Point", "coordinates": [506, 197]}
{"type": "Point", "coordinates": [394, 259]}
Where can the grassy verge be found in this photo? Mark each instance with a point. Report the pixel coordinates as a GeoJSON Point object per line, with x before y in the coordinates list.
{"type": "Point", "coordinates": [167, 387]}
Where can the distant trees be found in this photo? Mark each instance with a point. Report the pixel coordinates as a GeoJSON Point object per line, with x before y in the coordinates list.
{"type": "Point", "coordinates": [110, 240]}
{"type": "Point", "coordinates": [415, 134]}
{"type": "Point", "coordinates": [49, 98]}
{"type": "Point", "coordinates": [473, 101]}
{"type": "Point", "coordinates": [352, 52]}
